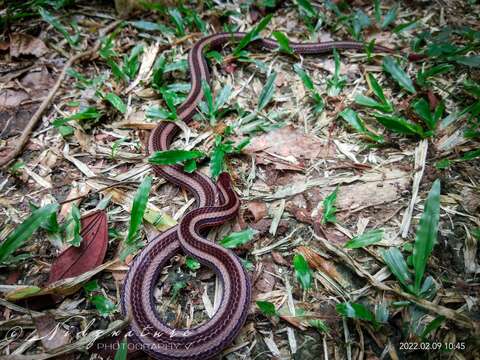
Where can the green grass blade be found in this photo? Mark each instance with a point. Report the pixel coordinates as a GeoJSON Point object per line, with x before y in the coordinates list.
{"type": "Point", "coordinates": [306, 79]}
{"type": "Point", "coordinates": [217, 160]}
{"type": "Point", "coordinates": [368, 238]}
{"type": "Point", "coordinates": [390, 17]}
{"type": "Point", "coordinates": [172, 157]}
{"type": "Point", "coordinates": [355, 311]}
{"type": "Point", "coordinates": [138, 209]}
{"type": "Point", "coordinates": [122, 351]}
{"type": "Point", "coordinates": [237, 239]}
{"type": "Point", "coordinates": [283, 42]}
{"type": "Point", "coordinates": [426, 236]}
{"type": "Point", "coordinates": [302, 271]}
{"type": "Point", "coordinates": [207, 93]}
{"type": "Point", "coordinates": [399, 125]}
{"type": "Point", "coordinates": [25, 230]}
{"type": "Point", "coordinates": [252, 35]}
{"type": "Point", "coordinates": [400, 76]}
{"type": "Point", "coordinates": [329, 208]}
{"type": "Point", "coordinates": [116, 102]}
{"type": "Point", "coordinates": [267, 308]}
{"type": "Point", "coordinates": [354, 120]}
{"type": "Point", "coordinates": [397, 265]}
{"type": "Point", "coordinates": [371, 103]}
{"type": "Point", "coordinates": [267, 92]}
{"type": "Point", "coordinates": [73, 228]}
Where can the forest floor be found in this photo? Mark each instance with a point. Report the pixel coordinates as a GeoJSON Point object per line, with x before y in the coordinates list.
{"type": "Point", "coordinates": [358, 174]}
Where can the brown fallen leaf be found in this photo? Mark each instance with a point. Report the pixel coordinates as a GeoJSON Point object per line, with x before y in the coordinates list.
{"type": "Point", "coordinates": [318, 262]}
{"type": "Point", "coordinates": [279, 259]}
{"type": "Point", "coordinates": [265, 281]}
{"type": "Point", "coordinates": [24, 44]}
{"type": "Point", "coordinates": [289, 142]}
{"type": "Point", "coordinates": [258, 209]}
{"type": "Point", "coordinates": [50, 333]}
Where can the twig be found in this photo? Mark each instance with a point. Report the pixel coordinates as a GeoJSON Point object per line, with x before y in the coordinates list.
{"type": "Point", "coordinates": [22, 140]}
{"type": "Point", "coordinates": [460, 319]}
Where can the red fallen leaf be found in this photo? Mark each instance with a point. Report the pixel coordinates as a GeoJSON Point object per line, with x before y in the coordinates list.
{"type": "Point", "coordinates": [432, 100]}
{"type": "Point", "coordinates": [75, 261]}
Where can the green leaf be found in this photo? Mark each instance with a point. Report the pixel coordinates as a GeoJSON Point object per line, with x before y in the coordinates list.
{"type": "Point", "coordinates": [372, 103]}
{"type": "Point", "coordinates": [472, 88]}
{"type": "Point", "coordinates": [104, 305]}
{"type": "Point", "coordinates": [378, 91]}
{"type": "Point", "coordinates": [329, 208]}
{"type": "Point", "coordinates": [355, 311]}
{"type": "Point", "coordinates": [399, 125]}
{"type": "Point", "coordinates": [52, 20]}
{"type": "Point", "coordinates": [426, 236]}
{"type": "Point", "coordinates": [139, 205]}
{"type": "Point", "coordinates": [65, 130]}
{"type": "Point", "coordinates": [423, 75]}
{"type": "Point", "coordinates": [422, 108]}
{"type": "Point", "coordinates": [252, 35]}
{"type": "Point", "coordinates": [223, 97]}
{"type": "Point", "coordinates": [25, 230]}
{"type": "Point", "coordinates": [190, 166]}
{"type": "Point", "coordinates": [432, 326]}
{"type": "Point", "coordinates": [122, 351]}
{"type": "Point", "coordinates": [400, 76]}
{"type": "Point", "coordinates": [237, 239]}
{"type": "Point", "coordinates": [170, 99]}
{"type": "Point", "coordinates": [336, 83]}
{"type": "Point", "coordinates": [267, 92]}
{"type": "Point", "coordinates": [368, 238]}
{"type": "Point", "coordinates": [159, 113]}
{"type": "Point", "coordinates": [267, 308]}
{"type": "Point", "coordinates": [116, 102]}
{"type": "Point", "coordinates": [307, 8]}
{"type": "Point", "coordinates": [207, 93]}
{"type": "Point", "coordinates": [389, 17]}
{"type": "Point", "coordinates": [472, 61]}
{"type": "Point", "coordinates": [192, 263]}
{"type": "Point", "coordinates": [308, 83]}
{"type": "Point", "coordinates": [73, 227]}
{"type": "Point", "coordinates": [151, 26]}
{"type": "Point", "coordinates": [377, 11]}
{"type": "Point", "coordinates": [320, 325]}
{"type": "Point", "coordinates": [406, 26]}
{"type": "Point", "coordinates": [91, 286]}
{"type": "Point", "coordinates": [131, 65]}
{"type": "Point", "coordinates": [443, 164]}
{"type": "Point", "coordinates": [117, 71]}
{"type": "Point", "coordinates": [306, 79]}
{"type": "Point", "coordinates": [397, 265]}
{"type": "Point", "coordinates": [217, 160]}
{"type": "Point", "coordinates": [172, 157]}
{"type": "Point", "coordinates": [177, 20]}
{"type": "Point", "coordinates": [354, 120]}
{"type": "Point", "coordinates": [302, 271]}
{"type": "Point", "coordinates": [90, 113]}
{"type": "Point", "coordinates": [283, 42]}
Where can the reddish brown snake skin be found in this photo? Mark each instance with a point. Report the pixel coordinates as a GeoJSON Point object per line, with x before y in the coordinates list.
{"type": "Point", "coordinates": [215, 204]}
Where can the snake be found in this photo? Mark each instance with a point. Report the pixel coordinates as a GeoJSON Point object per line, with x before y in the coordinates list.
{"type": "Point", "coordinates": [215, 203]}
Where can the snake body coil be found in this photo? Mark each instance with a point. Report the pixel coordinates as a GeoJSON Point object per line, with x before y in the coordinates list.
{"type": "Point", "coordinates": [215, 204]}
